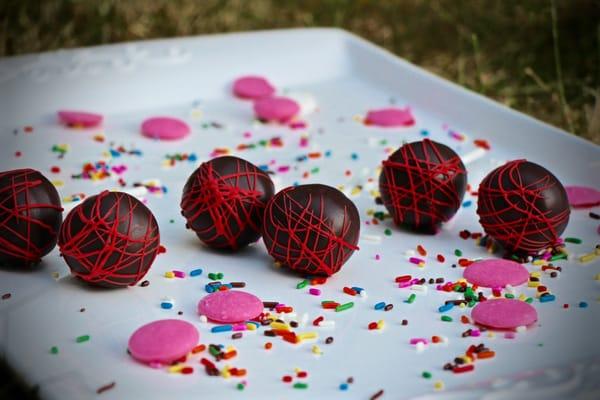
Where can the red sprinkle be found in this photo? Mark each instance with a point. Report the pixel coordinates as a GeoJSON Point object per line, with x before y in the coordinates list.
{"type": "Point", "coordinates": [287, 379]}
{"type": "Point", "coordinates": [349, 291]}
{"type": "Point", "coordinates": [55, 169]}
{"type": "Point", "coordinates": [302, 374]}
{"type": "Point", "coordinates": [318, 320]}
{"type": "Point", "coordinates": [441, 258]}
{"type": "Point", "coordinates": [463, 368]}
{"type": "Point", "coordinates": [421, 250]}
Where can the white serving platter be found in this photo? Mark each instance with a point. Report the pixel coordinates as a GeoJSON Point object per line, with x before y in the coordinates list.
{"type": "Point", "coordinates": [191, 78]}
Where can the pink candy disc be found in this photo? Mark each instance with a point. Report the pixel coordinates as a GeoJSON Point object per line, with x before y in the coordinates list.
{"type": "Point", "coordinates": [230, 306]}
{"type": "Point", "coordinates": [494, 273]}
{"type": "Point", "coordinates": [252, 87]}
{"type": "Point", "coordinates": [504, 313]}
{"type": "Point", "coordinates": [163, 341]}
{"type": "Point", "coordinates": [80, 119]}
{"type": "Point", "coordinates": [165, 128]}
{"type": "Point", "coordinates": [583, 196]}
{"type": "Point", "coordinates": [390, 117]}
{"type": "Point", "coordinates": [278, 109]}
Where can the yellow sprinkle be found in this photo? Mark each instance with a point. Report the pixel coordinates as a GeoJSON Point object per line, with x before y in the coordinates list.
{"type": "Point", "coordinates": [533, 284]}
{"type": "Point", "coordinates": [370, 212]}
{"type": "Point", "coordinates": [58, 183]}
{"type": "Point", "coordinates": [461, 280]}
{"type": "Point", "coordinates": [316, 350]}
{"type": "Point", "coordinates": [225, 373]}
{"type": "Point", "coordinates": [356, 191]}
{"type": "Point", "coordinates": [462, 305]}
{"type": "Point", "coordinates": [229, 348]}
{"type": "Point", "coordinates": [307, 335]}
{"type": "Point", "coordinates": [55, 275]}
{"type": "Point", "coordinates": [597, 277]}
{"type": "Point", "coordinates": [251, 327]}
{"type": "Point", "coordinates": [539, 262]}
{"type": "Point", "coordinates": [587, 257]}
{"type": "Point", "coordinates": [380, 324]}
{"type": "Point", "coordinates": [536, 274]}
{"type": "Point", "coordinates": [169, 274]}
{"type": "Point", "coordinates": [438, 385]}
{"type": "Point", "coordinates": [597, 251]}
{"type": "Point", "coordinates": [522, 297]}
{"type": "Point", "coordinates": [296, 370]}
{"type": "Point", "coordinates": [341, 188]}
{"type": "Point", "coordinates": [277, 264]}
{"type": "Point", "coordinates": [357, 118]}
{"type": "Point", "coordinates": [374, 193]}
{"type": "Point", "coordinates": [491, 334]}
{"type": "Point", "coordinates": [176, 368]}
{"type": "Point", "coordinates": [279, 325]}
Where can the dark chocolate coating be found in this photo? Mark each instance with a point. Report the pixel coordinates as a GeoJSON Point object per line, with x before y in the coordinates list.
{"type": "Point", "coordinates": [224, 201]}
{"type": "Point", "coordinates": [30, 216]}
{"type": "Point", "coordinates": [312, 229]}
{"type": "Point", "coordinates": [110, 240]}
{"type": "Point", "coordinates": [422, 185]}
{"type": "Point", "coordinates": [523, 207]}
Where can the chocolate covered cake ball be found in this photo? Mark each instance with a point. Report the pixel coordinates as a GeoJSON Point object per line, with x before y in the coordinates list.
{"type": "Point", "coordinates": [110, 240]}
{"type": "Point", "coordinates": [30, 216]}
{"type": "Point", "coordinates": [523, 207]}
{"type": "Point", "coordinates": [224, 201]}
{"type": "Point", "coordinates": [312, 229]}
{"type": "Point", "coordinates": [422, 185]}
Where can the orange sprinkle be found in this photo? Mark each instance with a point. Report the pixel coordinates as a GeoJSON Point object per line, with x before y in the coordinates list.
{"type": "Point", "coordinates": [268, 346]}
{"type": "Point", "coordinates": [421, 250]}
{"type": "Point", "coordinates": [198, 349]}
{"type": "Point", "coordinates": [486, 354]}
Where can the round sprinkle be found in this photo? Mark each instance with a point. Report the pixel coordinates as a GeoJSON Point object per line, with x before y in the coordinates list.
{"type": "Point", "coordinates": [504, 313]}
{"type": "Point", "coordinates": [230, 306]}
{"type": "Point", "coordinates": [165, 128]}
{"type": "Point", "coordinates": [496, 273]}
{"type": "Point", "coordinates": [163, 341]}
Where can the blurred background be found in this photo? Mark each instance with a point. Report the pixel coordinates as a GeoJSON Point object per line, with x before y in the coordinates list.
{"type": "Point", "coordinates": [541, 57]}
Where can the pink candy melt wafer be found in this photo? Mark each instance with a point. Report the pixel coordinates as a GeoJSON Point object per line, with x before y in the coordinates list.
{"type": "Point", "coordinates": [390, 117]}
{"type": "Point", "coordinates": [252, 87]}
{"type": "Point", "coordinates": [582, 196]}
{"type": "Point", "coordinates": [230, 306]}
{"type": "Point", "coordinates": [504, 313]}
{"type": "Point", "coordinates": [165, 128]}
{"type": "Point", "coordinates": [496, 273]}
{"type": "Point", "coordinates": [277, 109]}
{"type": "Point", "coordinates": [163, 341]}
{"type": "Point", "coordinates": [80, 118]}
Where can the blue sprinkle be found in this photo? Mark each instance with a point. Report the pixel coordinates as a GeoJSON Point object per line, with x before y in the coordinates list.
{"type": "Point", "coordinates": [209, 288]}
{"type": "Point", "coordinates": [221, 328]}
{"type": "Point", "coordinates": [344, 386]}
{"type": "Point", "coordinates": [164, 189]}
{"type": "Point", "coordinates": [192, 157]}
{"type": "Point", "coordinates": [196, 272]}
{"type": "Point", "coordinates": [380, 305]}
{"type": "Point", "coordinates": [583, 304]}
{"type": "Point", "coordinates": [354, 156]}
{"type": "Point", "coordinates": [467, 203]}
{"type": "Point", "coordinates": [357, 289]}
{"type": "Point", "coordinates": [166, 305]}
{"type": "Point", "coordinates": [328, 153]}
{"type": "Point", "coordinates": [446, 307]}
{"type": "Point", "coordinates": [115, 153]}
{"type": "Point", "coordinates": [547, 298]}
{"type": "Point", "coordinates": [424, 132]}
{"type": "Point", "coordinates": [263, 167]}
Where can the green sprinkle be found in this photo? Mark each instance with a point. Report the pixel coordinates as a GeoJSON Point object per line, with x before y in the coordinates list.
{"type": "Point", "coordinates": [457, 253]}
{"type": "Point", "coordinates": [214, 351]}
{"type": "Point", "coordinates": [315, 170]}
{"type": "Point", "coordinates": [300, 385]}
{"type": "Point", "coordinates": [529, 300]}
{"type": "Point", "coordinates": [383, 142]}
{"type": "Point", "coordinates": [471, 303]}
{"type": "Point", "coordinates": [82, 338]}
{"type": "Point", "coordinates": [388, 232]}
{"type": "Point", "coordinates": [426, 374]}
{"type": "Point", "coordinates": [573, 240]}
{"type": "Point", "coordinates": [240, 386]}
{"type": "Point", "coordinates": [561, 256]}
{"type": "Point", "coordinates": [380, 215]}
{"type": "Point", "coordinates": [411, 298]}
{"type": "Point", "coordinates": [509, 295]}
{"type": "Point", "coordinates": [446, 318]}
{"type": "Point", "coordinates": [54, 350]}
{"type": "Point", "coordinates": [343, 307]}
{"type": "Point", "coordinates": [171, 221]}
{"type": "Point", "coordinates": [212, 276]}
{"type": "Point", "coordinates": [220, 275]}
{"type": "Point", "coordinates": [302, 285]}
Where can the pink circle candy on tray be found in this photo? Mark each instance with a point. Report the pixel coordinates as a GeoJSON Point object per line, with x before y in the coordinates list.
{"type": "Point", "coordinates": [163, 341]}
{"type": "Point", "coordinates": [79, 119]}
{"type": "Point", "coordinates": [278, 109]}
{"type": "Point", "coordinates": [582, 196]}
{"type": "Point", "coordinates": [252, 87]}
{"type": "Point", "coordinates": [165, 128]}
{"type": "Point", "coordinates": [230, 306]}
{"type": "Point", "coordinates": [494, 273]}
{"type": "Point", "coordinates": [390, 117]}
{"type": "Point", "coordinates": [504, 313]}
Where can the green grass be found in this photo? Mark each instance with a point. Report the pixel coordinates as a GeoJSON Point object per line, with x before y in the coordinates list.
{"type": "Point", "coordinates": [538, 56]}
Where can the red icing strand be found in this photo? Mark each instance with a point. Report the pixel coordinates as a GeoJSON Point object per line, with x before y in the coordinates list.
{"type": "Point", "coordinates": [231, 208]}
{"type": "Point", "coordinates": [511, 209]}
{"type": "Point", "coordinates": [113, 246]}
{"type": "Point", "coordinates": [15, 212]}
{"type": "Point", "coordinates": [431, 189]}
{"type": "Point", "coordinates": [305, 240]}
